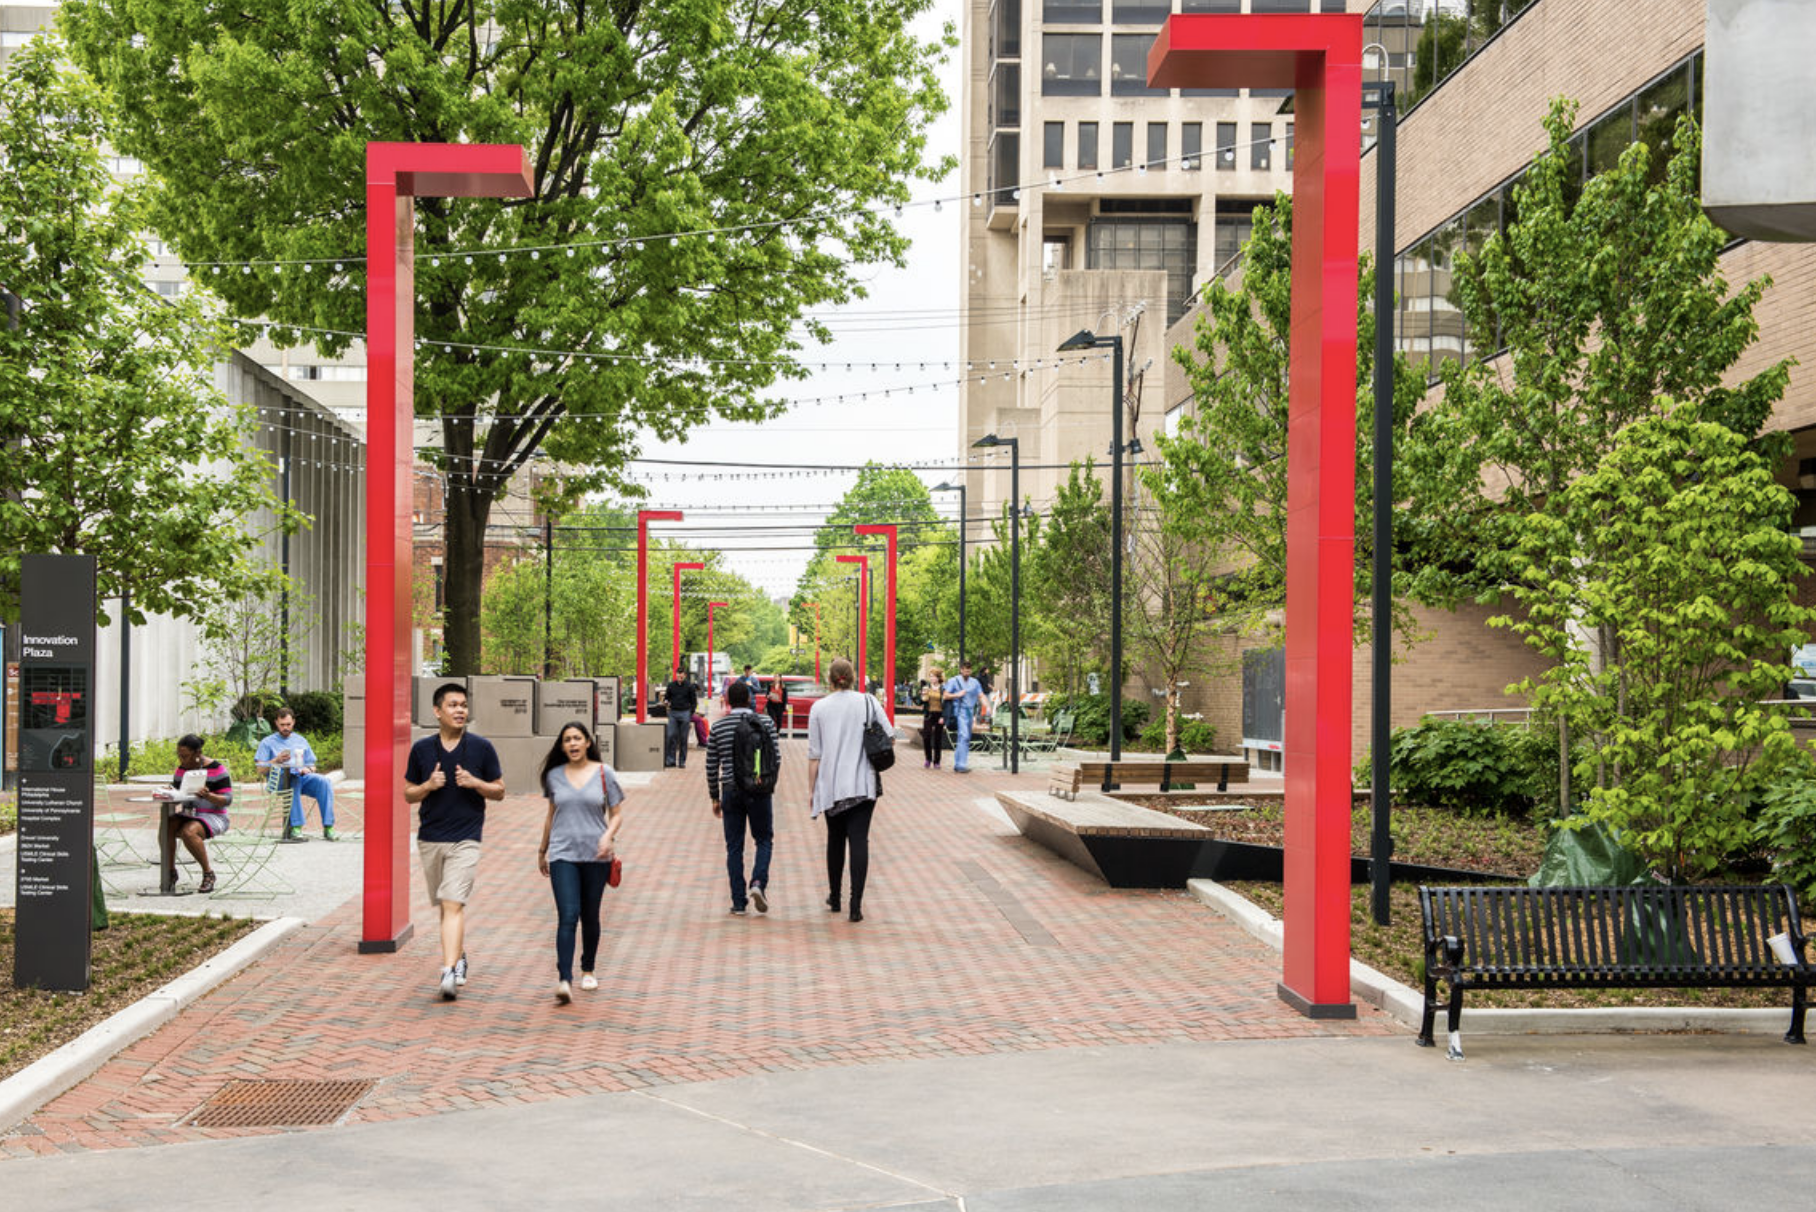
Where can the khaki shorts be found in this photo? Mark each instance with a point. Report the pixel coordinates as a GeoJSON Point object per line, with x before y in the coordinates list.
{"type": "Point", "coordinates": [448, 869]}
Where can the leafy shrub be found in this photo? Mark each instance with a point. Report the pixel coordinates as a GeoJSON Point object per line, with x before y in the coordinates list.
{"type": "Point", "coordinates": [318, 712]}
{"type": "Point", "coordinates": [1469, 767]}
{"type": "Point", "coordinates": [1787, 826]}
{"type": "Point", "coordinates": [1195, 736]}
{"type": "Point", "coordinates": [1091, 723]}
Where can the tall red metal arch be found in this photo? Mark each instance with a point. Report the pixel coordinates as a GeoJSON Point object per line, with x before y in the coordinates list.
{"type": "Point", "coordinates": [1320, 57]}
{"type": "Point", "coordinates": [395, 174]}
{"type": "Point", "coordinates": [888, 531]}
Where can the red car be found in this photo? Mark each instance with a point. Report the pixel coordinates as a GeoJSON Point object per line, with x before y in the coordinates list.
{"type": "Point", "coordinates": [803, 693]}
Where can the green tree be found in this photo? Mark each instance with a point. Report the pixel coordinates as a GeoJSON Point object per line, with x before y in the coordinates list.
{"type": "Point", "coordinates": [243, 660]}
{"type": "Point", "coordinates": [1676, 551]}
{"type": "Point", "coordinates": [118, 445]}
{"type": "Point", "coordinates": [1066, 583]}
{"type": "Point", "coordinates": [1221, 481]}
{"type": "Point", "coordinates": [703, 174]}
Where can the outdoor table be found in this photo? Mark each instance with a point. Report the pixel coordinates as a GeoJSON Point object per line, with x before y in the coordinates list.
{"type": "Point", "coordinates": [167, 865]}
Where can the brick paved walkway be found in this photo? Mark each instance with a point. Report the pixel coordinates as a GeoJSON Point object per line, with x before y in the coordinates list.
{"type": "Point", "coordinates": [975, 941]}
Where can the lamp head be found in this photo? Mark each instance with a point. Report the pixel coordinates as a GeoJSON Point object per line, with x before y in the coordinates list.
{"type": "Point", "coordinates": [1084, 338]}
{"type": "Point", "coordinates": [946, 488]}
{"type": "Point", "coordinates": [986, 441]}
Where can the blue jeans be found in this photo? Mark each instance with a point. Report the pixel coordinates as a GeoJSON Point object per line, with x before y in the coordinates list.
{"type": "Point", "coordinates": [758, 812]}
{"type": "Point", "coordinates": [316, 788]}
{"type": "Point", "coordinates": [674, 748]}
{"type": "Point", "coordinates": [578, 887]}
{"type": "Point", "coordinates": [961, 748]}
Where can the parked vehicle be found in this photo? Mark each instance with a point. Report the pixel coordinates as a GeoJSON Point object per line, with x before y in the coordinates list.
{"type": "Point", "coordinates": [803, 693]}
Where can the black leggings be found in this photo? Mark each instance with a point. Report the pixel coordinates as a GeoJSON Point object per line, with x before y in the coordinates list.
{"type": "Point", "coordinates": [850, 826]}
{"type": "Point", "coordinates": [933, 735]}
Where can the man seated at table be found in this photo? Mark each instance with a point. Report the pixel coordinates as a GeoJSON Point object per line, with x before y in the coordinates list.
{"type": "Point", "coordinates": [288, 750]}
{"type": "Point", "coordinates": [203, 814]}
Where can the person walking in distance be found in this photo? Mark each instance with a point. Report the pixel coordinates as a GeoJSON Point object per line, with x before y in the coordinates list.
{"type": "Point", "coordinates": [682, 699]}
{"type": "Point", "coordinates": [775, 702]}
{"type": "Point", "coordinates": [451, 775]}
{"type": "Point", "coordinates": [844, 784]}
{"type": "Point", "coordinates": [743, 760]}
{"type": "Point", "coordinates": [933, 719]}
{"type": "Point", "coordinates": [964, 691]}
{"type": "Point", "coordinates": [578, 846]}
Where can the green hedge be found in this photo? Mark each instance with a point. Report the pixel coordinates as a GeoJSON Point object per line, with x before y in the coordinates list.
{"type": "Point", "coordinates": [1472, 768]}
{"type": "Point", "coordinates": [160, 756]}
{"type": "Point", "coordinates": [1091, 712]}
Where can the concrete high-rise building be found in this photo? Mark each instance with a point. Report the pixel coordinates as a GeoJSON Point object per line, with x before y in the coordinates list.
{"type": "Point", "coordinates": [1096, 203]}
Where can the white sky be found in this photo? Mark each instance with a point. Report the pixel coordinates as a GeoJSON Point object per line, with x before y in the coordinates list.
{"type": "Point", "coordinates": [910, 312]}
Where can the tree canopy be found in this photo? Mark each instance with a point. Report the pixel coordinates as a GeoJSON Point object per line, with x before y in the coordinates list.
{"type": "Point", "coordinates": [703, 174]}
{"type": "Point", "coordinates": [118, 443]}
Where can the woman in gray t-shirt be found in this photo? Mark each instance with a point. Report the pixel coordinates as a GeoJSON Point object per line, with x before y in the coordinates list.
{"type": "Point", "coordinates": [577, 848]}
{"type": "Point", "coordinates": [843, 783]}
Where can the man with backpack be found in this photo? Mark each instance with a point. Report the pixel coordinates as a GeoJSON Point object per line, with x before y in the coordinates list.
{"type": "Point", "coordinates": [743, 759]}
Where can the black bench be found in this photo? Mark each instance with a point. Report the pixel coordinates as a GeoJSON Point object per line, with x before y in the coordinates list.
{"type": "Point", "coordinates": [1606, 938]}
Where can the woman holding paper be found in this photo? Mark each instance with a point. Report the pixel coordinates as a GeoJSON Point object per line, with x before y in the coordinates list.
{"type": "Point", "coordinates": [203, 790]}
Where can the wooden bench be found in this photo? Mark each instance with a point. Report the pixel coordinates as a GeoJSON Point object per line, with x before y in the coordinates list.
{"type": "Point", "coordinates": [1607, 938]}
{"type": "Point", "coordinates": [1067, 779]}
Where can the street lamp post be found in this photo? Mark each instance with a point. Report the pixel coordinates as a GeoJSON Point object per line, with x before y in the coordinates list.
{"type": "Point", "coordinates": [1379, 96]}
{"type": "Point", "coordinates": [1086, 339]}
{"type": "Point", "coordinates": [675, 644]}
{"type": "Point", "coordinates": [863, 612]}
{"type": "Point", "coordinates": [644, 518]}
{"type": "Point", "coordinates": [1014, 445]}
{"type": "Point", "coordinates": [963, 526]}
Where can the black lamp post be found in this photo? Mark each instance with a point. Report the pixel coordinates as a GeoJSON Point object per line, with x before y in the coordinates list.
{"type": "Point", "coordinates": [963, 525]}
{"type": "Point", "coordinates": [1379, 96]}
{"type": "Point", "coordinates": [1014, 445]}
{"type": "Point", "coordinates": [1086, 339]}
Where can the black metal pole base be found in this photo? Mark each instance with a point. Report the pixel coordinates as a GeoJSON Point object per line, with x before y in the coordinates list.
{"type": "Point", "coordinates": [1311, 1009]}
{"type": "Point", "coordinates": [387, 946]}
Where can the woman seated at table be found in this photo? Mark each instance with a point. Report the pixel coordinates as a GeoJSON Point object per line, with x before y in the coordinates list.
{"type": "Point", "coordinates": [203, 815]}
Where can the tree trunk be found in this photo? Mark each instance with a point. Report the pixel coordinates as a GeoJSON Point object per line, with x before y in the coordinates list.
{"type": "Point", "coordinates": [464, 575]}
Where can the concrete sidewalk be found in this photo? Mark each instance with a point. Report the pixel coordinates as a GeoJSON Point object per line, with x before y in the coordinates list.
{"type": "Point", "coordinates": [1635, 1123]}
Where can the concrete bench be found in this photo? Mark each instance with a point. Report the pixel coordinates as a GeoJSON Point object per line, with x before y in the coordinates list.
{"type": "Point", "coordinates": [1124, 845]}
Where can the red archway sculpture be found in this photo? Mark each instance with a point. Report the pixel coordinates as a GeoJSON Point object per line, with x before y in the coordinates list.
{"type": "Point", "coordinates": [396, 173]}
{"type": "Point", "coordinates": [1319, 56]}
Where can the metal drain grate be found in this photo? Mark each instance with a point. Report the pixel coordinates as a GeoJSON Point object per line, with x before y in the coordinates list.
{"type": "Point", "coordinates": [279, 1104]}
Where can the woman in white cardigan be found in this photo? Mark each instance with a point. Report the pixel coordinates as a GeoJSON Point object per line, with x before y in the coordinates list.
{"type": "Point", "coordinates": [844, 785]}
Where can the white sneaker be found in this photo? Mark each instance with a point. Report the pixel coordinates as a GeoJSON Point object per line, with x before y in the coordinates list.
{"type": "Point", "coordinates": [759, 898]}
{"type": "Point", "coordinates": [460, 969]}
{"type": "Point", "coordinates": [588, 981]}
{"type": "Point", "coordinates": [564, 992]}
{"type": "Point", "coordinates": [448, 991]}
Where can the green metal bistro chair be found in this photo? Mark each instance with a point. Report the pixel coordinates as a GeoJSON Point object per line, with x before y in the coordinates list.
{"type": "Point", "coordinates": [243, 854]}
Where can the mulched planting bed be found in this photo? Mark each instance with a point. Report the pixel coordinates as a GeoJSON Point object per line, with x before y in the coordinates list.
{"type": "Point", "coordinates": [136, 954]}
{"type": "Point", "coordinates": [1395, 950]}
{"type": "Point", "coordinates": [1428, 836]}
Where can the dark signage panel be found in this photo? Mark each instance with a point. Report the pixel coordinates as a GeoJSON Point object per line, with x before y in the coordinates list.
{"type": "Point", "coordinates": [56, 788]}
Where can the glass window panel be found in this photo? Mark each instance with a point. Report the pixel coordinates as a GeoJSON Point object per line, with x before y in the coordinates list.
{"type": "Point", "coordinates": [1608, 138]}
{"type": "Point", "coordinates": [1129, 66]}
{"type": "Point", "coordinates": [1289, 147]}
{"type": "Point", "coordinates": [1659, 108]}
{"type": "Point", "coordinates": [1446, 314]}
{"type": "Point", "coordinates": [1005, 96]}
{"type": "Point", "coordinates": [1053, 145]}
{"type": "Point", "coordinates": [1071, 65]}
{"type": "Point", "coordinates": [1210, 92]}
{"type": "Point", "coordinates": [1417, 323]}
{"type": "Point", "coordinates": [1210, 6]}
{"type": "Point", "coordinates": [1157, 145]}
{"type": "Point", "coordinates": [1226, 146]}
{"type": "Point", "coordinates": [1005, 167]}
{"type": "Point", "coordinates": [1191, 146]}
{"type": "Point", "coordinates": [1573, 181]}
{"type": "Point", "coordinates": [1261, 151]}
{"type": "Point", "coordinates": [1072, 12]}
{"type": "Point", "coordinates": [1482, 221]}
{"type": "Point", "coordinates": [1280, 6]}
{"type": "Point", "coordinates": [1140, 12]}
{"type": "Point", "coordinates": [1087, 145]}
{"type": "Point", "coordinates": [1122, 144]}
{"type": "Point", "coordinates": [1005, 28]}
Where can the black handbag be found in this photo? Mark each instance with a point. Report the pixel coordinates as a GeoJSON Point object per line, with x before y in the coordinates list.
{"type": "Point", "coordinates": [879, 742]}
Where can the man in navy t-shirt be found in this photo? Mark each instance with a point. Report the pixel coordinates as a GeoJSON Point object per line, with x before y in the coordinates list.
{"type": "Point", "coordinates": [452, 775]}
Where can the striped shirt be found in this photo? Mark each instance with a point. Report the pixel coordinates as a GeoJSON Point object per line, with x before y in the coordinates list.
{"type": "Point", "coordinates": [719, 777]}
{"type": "Point", "coordinates": [219, 782]}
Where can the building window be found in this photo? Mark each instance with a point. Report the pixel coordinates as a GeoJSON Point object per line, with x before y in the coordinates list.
{"type": "Point", "coordinates": [1235, 223]}
{"type": "Point", "coordinates": [1261, 150]}
{"type": "Point", "coordinates": [1122, 144]}
{"type": "Point", "coordinates": [1281, 6]}
{"type": "Point", "coordinates": [1226, 147]}
{"type": "Point", "coordinates": [1210, 6]}
{"type": "Point", "coordinates": [1053, 145]}
{"type": "Point", "coordinates": [1157, 145]}
{"type": "Point", "coordinates": [1005, 29]}
{"type": "Point", "coordinates": [1072, 12]}
{"type": "Point", "coordinates": [1140, 12]}
{"type": "Point", "coordinates": [1289, 147]}
{"type": "Point", "coordinates": [1055, 255]}
{"type": "Point", "coordinates": [1129, 66]}
{"type": "Point", "coordinates": [1191, 146]}
{"type": "Point", "coordinates": [1005, 167]}
{"type": "Point", "coordinates": [1164, 244]}
{"type": "Point", "coordinates": [169, 290]}
{"type": "Point", "coordinates": [1072, 65]}
{"type": "Point", "coordinates": [1005, 96]}
{"type": "Point", "coordinates": [1087, 145]}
